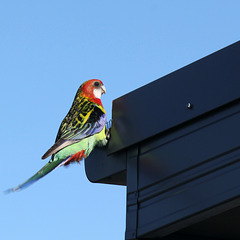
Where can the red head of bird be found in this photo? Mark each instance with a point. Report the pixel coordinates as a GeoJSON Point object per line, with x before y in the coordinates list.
{"type": "Point", "coordinates": [93, 89]}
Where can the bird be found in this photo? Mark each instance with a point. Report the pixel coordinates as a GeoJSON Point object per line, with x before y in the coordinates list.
{"type": "Point", "coordinates": [81, 130]}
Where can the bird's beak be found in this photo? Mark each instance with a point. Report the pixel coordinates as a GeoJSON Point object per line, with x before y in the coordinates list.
{"type": "Point", "coordinates": [103, 89]}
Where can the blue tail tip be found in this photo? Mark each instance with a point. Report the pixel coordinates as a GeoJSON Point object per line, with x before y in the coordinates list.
{"type": "Point", "coordinates": [10, 190]}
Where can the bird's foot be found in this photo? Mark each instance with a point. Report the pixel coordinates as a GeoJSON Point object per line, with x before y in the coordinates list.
{"type": "Point", "coordinates": [108, 133]}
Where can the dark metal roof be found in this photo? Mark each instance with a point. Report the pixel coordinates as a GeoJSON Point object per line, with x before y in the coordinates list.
{"type": "Point", "coordinates": [175, 144]}
{"type": "Point", "coordinates": [162, 104]}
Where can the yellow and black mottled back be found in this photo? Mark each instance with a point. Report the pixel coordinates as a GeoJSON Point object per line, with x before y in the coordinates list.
{"type": "Point", "coordinates": [82, 111]}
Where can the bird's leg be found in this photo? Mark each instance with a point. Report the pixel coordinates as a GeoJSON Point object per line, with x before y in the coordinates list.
{"type": "Point", "coordinates": [108, 133]}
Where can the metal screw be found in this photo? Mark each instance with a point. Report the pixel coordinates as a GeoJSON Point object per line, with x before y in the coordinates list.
{"type": "Point", "coordinates": [189, 105]}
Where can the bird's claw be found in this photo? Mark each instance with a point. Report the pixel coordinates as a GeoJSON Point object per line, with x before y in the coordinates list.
{"type": "Point", "coordinates": [108, 133]}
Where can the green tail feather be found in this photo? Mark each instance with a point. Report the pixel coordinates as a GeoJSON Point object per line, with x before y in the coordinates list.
{"type": "Point", "coordinates": [86, 144]}
{"type": "Point", "coordinates": [41, 173]}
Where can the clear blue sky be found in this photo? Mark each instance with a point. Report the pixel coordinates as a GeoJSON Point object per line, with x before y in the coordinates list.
{"type": "Point", "coordinates": [47, 49]}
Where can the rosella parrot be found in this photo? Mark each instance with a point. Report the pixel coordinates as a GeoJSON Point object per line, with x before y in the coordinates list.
{"type": "Point", "coordinates": [81, 130]}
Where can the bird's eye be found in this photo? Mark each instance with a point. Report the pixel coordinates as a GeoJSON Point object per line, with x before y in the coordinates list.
{"type": "Point", "coordinates": [97, 84]}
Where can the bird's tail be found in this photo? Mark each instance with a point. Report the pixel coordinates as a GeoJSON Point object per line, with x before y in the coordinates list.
{"type": "Point", "coordinates": [51, 165]}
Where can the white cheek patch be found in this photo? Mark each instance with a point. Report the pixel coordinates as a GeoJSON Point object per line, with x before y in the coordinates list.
{"type": "Point", "coordinates": [97, 92]}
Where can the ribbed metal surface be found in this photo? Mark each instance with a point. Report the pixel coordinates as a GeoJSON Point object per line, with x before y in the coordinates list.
{"type": "Point", "coordinates": [175, 143]}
